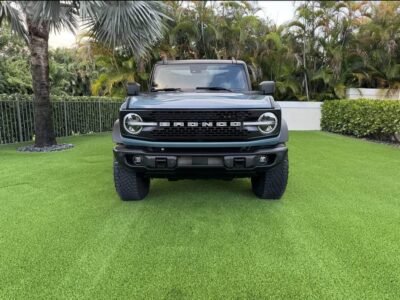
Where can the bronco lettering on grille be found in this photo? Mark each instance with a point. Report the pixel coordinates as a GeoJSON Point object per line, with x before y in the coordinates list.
{"type": "Point", "coordinates": [200, 124]}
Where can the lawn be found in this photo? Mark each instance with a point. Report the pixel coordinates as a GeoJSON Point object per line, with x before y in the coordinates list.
{"type": "Point", "coordinates": [334, 235]}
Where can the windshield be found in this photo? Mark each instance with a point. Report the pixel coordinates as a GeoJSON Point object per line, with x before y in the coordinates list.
{"type": "Point", "coordinates": [200, 76]}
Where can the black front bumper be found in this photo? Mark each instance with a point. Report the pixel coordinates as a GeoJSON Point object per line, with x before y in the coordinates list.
{"type": "Point", "coordinates": [199, 163]}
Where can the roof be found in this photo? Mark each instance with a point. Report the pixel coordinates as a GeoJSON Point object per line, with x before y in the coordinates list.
{"type": "Point", "coordinates": [201, 61]}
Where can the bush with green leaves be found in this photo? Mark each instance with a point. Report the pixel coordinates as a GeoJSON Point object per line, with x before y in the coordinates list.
{"type": "Point", "coordinates": [377, 119]}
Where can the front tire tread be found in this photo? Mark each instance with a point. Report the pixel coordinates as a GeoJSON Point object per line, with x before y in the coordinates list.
{"type": "Point", "coordinates": [129, 185]}
{"type": "Point", "coordinates": [272, 183]}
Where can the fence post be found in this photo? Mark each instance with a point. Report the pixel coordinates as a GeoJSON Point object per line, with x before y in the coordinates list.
{"type": "Point", "coordinates": [101, 123]}
{"type": "Point", "coordinates": [65, 119]}
{"type": "Point", "coordinates": [21, 139]}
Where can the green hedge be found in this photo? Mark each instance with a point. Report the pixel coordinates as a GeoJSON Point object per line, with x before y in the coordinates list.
{"type": "Point", "coordinates": [25, 97]}
{"type": "Point", "coordinates": [377, 119]}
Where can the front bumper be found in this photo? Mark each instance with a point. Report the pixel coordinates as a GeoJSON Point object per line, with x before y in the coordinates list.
{"type": "Point", "coordinates": [192, 163]}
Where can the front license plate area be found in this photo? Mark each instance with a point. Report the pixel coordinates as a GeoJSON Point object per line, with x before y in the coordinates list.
{"type": "Point", "coordinates": [200, 161]}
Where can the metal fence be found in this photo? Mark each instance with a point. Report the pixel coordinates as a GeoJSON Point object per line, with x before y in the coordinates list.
{"type": "Point", "coordinates": [69, 117]}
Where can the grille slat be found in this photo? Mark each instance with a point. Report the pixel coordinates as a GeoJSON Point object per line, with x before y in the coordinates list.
{"type": "Point", "coordinates": [200, 115]}
{"type": "Point", "coordinates": [186, 132]}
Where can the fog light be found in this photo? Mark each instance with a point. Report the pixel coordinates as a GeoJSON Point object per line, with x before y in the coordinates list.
{"type": "Point", "coordinates": [137, 160]}
{"type": "Point", "coordinates": [263, 159]}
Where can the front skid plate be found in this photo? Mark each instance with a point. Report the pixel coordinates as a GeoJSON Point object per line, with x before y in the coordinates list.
{"type": "Point", "coordinates": [215, 165]}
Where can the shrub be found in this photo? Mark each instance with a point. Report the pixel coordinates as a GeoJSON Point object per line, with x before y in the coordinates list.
{"type": "Point", "coordinates": [362, 118]}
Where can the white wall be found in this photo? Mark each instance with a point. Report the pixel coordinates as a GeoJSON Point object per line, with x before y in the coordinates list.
{"type": "Point", "coordinates": [375, 94]}
{"type": "Point", "coordinates": [302, 115]}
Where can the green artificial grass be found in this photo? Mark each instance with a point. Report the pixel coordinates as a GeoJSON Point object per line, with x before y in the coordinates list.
{"type": "Point", "coordinates": [335, 234]}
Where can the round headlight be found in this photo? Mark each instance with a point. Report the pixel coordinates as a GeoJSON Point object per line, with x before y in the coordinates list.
{"type": "Point", "coordinates": [130, 123]}
{"type": "Point", "coordinates": [268, 123]}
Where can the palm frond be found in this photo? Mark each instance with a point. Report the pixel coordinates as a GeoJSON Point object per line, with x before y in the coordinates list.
{"type": "Point", "coordinates": [131, 25]}
{"type": "Point", "coordinates": [275, 38]}
{"type": "Point", "coordinates": [58, 14]}
{"type": "Point", "coordinates": [14, 17]}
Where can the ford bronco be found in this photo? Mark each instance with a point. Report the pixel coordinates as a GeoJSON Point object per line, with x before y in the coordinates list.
{"type": "Point", "coordinates": [200, 119]}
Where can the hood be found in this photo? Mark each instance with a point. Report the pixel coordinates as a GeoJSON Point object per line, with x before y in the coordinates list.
{"type": "Point", "coordinates": [199, 100]}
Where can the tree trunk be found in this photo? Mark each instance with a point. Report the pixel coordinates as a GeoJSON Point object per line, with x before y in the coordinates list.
{"type": "Point", "coordinates": [39, 44]}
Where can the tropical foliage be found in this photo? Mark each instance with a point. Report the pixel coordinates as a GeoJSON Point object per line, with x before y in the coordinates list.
{"type": "Point", "coordinates": [14, 64]}
{"type": "Point", "coordinates": [67, 73]}
{"type": "Point", "coordinates": [130, 26]}
{"type": "Point", "coordinates": [328, 46]}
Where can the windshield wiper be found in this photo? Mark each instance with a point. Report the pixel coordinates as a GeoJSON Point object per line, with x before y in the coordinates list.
{"type": "Point", "coordinates": [213, 88]}
{"type": "Point", "coordinates": [166, 90]}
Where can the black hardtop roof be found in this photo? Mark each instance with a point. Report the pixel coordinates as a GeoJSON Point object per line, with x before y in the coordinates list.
{"type": "Point", "coordinates": [201, 61]}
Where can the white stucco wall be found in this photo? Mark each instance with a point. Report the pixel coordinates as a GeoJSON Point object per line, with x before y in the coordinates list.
{"type": "Point", "coordinates": [302, 115]}
{"type": "Point", "coordinates": [374, 94]}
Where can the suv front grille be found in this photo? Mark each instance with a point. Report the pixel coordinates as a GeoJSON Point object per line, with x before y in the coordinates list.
{"type": "Point", "coordinates": [199, 133]}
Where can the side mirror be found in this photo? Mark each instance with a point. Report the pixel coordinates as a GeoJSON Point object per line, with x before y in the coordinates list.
{"type": "Point", "coordinates": [267, 87]}
{"type": "Point", "coordinates": [133, 89]}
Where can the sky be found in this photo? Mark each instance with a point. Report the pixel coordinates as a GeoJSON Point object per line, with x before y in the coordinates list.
{"type": "Point", "coordinates": [278, 11]}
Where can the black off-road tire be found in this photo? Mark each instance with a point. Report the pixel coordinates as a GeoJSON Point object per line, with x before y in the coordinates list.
{"type": "Point", "coordinates": [272, 183]}
{"type": "Point", "coordinates": [130, 185]}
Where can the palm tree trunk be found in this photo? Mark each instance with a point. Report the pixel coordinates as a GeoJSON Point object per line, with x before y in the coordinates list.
{"type": "Point", "coordinates": [38, 44]}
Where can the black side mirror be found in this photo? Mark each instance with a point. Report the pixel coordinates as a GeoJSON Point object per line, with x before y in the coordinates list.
{"type": "Point", "coordinates": [267, 87]}
{"type": "Point", "coordinates": [133, 89]}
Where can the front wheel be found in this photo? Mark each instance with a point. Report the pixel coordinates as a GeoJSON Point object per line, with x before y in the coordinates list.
{"type": "Point", "coordinates": [272, 183]}
{"type": "Point", "coordinates": [130, 185]}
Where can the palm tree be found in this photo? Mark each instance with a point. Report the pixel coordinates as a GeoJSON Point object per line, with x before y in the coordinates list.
{"type": "Point", "coordinates": [133, 26]}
